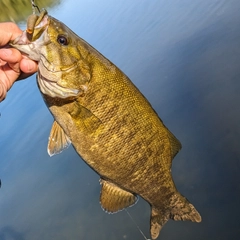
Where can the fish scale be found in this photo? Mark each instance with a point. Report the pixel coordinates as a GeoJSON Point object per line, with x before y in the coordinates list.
{"type": "Point", "coordinates": [109, 122]}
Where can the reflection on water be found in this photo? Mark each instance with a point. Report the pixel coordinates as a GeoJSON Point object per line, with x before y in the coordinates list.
{"type": "Point", "coordinates": [184, 56]}
{"type": "Point", "coordinates": [19, 10]}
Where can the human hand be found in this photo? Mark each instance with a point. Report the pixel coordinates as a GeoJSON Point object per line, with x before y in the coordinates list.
{"type": "Point", "coordinates": [13, 65]}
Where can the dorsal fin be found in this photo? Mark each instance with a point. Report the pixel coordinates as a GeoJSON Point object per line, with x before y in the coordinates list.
{"type": "Point", "coordinates": [114, 198]}
{"type": "Point", "coordinates": [57, 140]}
{"type": "Point", "coordinates": [175, 144]}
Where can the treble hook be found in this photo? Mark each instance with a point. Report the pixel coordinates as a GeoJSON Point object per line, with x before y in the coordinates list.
{"type": "Point", "coordinates": [34, 6]}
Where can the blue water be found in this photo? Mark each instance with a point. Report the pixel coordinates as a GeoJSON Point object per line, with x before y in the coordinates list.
{"type": "Point", "coordinates": [184, 56]}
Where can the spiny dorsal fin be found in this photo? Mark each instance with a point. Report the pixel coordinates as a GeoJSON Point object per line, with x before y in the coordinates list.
{"type": "Point", "coordinates": [175, 144]}
{"type": "Point", "coordinates": [57, 140]}
{"type": "Point", "coordinates": [114, 198]}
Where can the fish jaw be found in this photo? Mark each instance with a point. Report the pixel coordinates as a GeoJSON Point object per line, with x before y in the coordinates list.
{"type": "Point", "coordinates": [31, 49]}
{"type": "Point", "coordinates": [53, 89]}
{"type": "Point", "coordinates": [29, 44]}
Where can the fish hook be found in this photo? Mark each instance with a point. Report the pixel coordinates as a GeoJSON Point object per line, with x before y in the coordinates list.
{"type": "Point", "coordinates": [34, 6]}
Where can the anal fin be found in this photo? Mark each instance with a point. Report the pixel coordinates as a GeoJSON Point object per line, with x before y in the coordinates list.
{"type": "Point", "coordinates": [58, 140]}
{"type": "Point", "coordinates": [114, 198]}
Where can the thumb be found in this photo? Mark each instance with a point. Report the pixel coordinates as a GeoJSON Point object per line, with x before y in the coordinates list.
{"type": "Point", "coordinates": [28, 67]}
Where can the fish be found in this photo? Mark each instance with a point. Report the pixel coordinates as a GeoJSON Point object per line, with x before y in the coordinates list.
{"type": "Point", "coordinates": [109, 122]}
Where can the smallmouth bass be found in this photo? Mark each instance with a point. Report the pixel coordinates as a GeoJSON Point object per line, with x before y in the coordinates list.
{"type": "Point", "coordinates": [109, 122]}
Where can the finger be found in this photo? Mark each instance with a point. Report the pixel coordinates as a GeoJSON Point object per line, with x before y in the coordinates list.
{"type": "Point", "coordinates": [3, 91]}
{"type": "Point", "coordinates": [8, 31]}
{"type": "Point", "coordinates": [10, 70]}
{"type": "Point", "coordinates": [28, 66]}
{"type": "Point", "coordinates": [13, 58]}
{"type": "Point", "coordinates": [8, 75]}
{"type": "Point", "coordinates": [10, 55]}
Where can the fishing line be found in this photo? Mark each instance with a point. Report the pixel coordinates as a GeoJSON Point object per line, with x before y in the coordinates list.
{"type": "Point", "coordinates": [34, 6]}
{"type": "Point", "coordinates": [137, 225]}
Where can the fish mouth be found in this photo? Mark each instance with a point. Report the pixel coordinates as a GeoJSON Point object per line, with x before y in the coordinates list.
{"type": "Point", "coordinates": [32, 39]}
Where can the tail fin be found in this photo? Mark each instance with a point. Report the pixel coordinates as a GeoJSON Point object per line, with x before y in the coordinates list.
{"type": "Point", "coordinates": [182, 209]}
{"type": "Point", "coordinates": [179, 209]}
{"type": "Point", "coordinates": [157, 221]}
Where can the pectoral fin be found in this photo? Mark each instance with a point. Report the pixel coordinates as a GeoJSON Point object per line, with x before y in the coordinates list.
{"type": "Point", "coordinates": [58, 140]}
{"type": "Point", "coordinates": [114, 199]}
{"type": "Point", "coordinates": [84, 118]}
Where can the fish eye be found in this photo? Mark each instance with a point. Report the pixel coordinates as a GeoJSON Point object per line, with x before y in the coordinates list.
{"type": "Point", "coordinates": [62, 40]}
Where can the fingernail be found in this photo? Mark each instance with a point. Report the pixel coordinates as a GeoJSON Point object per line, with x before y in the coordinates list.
{"type": "Point", "coordinates": [31, 66]}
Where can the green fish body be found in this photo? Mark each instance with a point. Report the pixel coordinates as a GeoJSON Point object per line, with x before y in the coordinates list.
{"type": "Point", "coordinates": [109, 122]}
